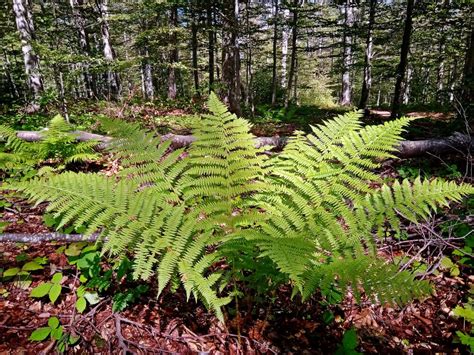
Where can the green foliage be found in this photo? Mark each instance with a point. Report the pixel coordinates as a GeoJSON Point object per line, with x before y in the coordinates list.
{"type": "Point", "coordinates": [20, 158]}
{"type": "Point", "coordinates": [21, 276]}
{"type": "Point", "coordinates": [308, 215]}
{"type": "Point", "coordinates": [466, 312]}
{"type": "Point", "coordinates": [349, 343]}
{"type": "Point", "coordinates": [52, 289]}
{"type": "Point", "coordinates": [55, 331]}
{"type": "Point", "coordinates": [123, 299]}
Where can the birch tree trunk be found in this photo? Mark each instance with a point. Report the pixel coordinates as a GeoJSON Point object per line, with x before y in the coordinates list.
{"type": "Point", "coordinates": [231, 56]}
{"type": "Point", "coordinates": [113, 81]}
{"type": "Point", "coordinates": [147, 78]}
{"type": "Point", "coordinates": [274, 52]}
{"type": "Point", "coordinates": [407, 89]}
{"type": "Point", "coordinates": [294, 51]}
{"type": "Point", "coordinates": [402, 66]}
{"type": "Point", "coordinates": [367, 83]}
{"type": "Point", "coordinates": [284, 49]}
{"type": "Point", "coordinates": [346, 88]}
{"type": "Point", "coordinates": [25, 26]}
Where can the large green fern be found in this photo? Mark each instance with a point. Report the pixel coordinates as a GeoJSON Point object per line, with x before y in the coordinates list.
{"type": "Point", "coordinates": [307, 214]}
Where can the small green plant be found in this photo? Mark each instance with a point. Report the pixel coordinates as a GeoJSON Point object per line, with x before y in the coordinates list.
{"type": "Point", "coordinates": [349, 344]}
{"type": "Point", "coordinates": [52, 289]}
{"type": "Point", "coordinates": [55, 331]}
{"type": "Point", "coordinates": [21, 276]}
{"type": "Point", "coordinates": [466, 312]}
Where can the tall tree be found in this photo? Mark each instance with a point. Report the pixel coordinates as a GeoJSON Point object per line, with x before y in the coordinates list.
{"type": "Point", "coordinates": [194, 46]}
{"type": "Point", "coordinates": [468, 79]}
{"type": "Point", "coordinates": [79, 22]}
{"type": "Point", "coordinates": [284, 48]}
{"type": "Point", "coordinates": [26, 29]}
{"type": "Point", "coordinates": [402, 66]}
{"type": "Point", "coordinates": [211, 49]}
{"type": "Point", "coordinates": [274, 51]}
{"type": "Point", "coordinates": [346, 90]}
{"type": "Point", "coordinates": [113, 80]}
{"type": "Point", "coordinates": [174, 54]}
{"type": "Point", "coordinates": [367, 82]}
{"type": "Point", "coordinates": [231, 55]}
{"type": "Point", "coordinates": [294, 50]}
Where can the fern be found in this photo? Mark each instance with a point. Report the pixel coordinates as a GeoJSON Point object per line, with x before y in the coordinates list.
{"type": "Point", "coordinates": [57, 143]}
{"type": "Point", "coordinates": [307, 216]}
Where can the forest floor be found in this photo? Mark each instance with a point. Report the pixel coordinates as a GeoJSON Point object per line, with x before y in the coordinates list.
{"type": "Point", "coordinates": [277, 325]}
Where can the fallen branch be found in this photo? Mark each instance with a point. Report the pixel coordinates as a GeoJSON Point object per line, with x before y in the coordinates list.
{"type": "Point", "coordinates": [46, 237]}
{"type": "Point", "coordinates": [457, 142]}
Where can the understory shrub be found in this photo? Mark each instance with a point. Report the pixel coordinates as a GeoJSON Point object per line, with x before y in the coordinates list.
{"type": "Point", "coordinates": [224, 211]}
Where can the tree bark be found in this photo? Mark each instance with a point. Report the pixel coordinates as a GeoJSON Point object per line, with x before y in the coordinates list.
{"type": "Point", "coordinates": [147, 78]}
{"type": "Point", "coordinates": [367, 83]}
{"type": "Point", "coordinates": [455, 143]}
{"type": "Point", "coordinates": [25, 26]}
{"type": "Point", "coordinates": [194, 49]}
{"type": "Point", "coordinates": [346, 88]}
{"type": "Point", "coordinates": [80, 23]}
{"type": "Point", "coordinates": [210, 29]}
{"type": "Point", "coordinates": [274, 52]}
{"type": "Point", "coordinates": [284, 49]}
{"type": "Point", "coordinates": [231, 56]}
{"type": "Point", "coordinates": [174, 54]}
{"type": "Point", "coordinates": [468, 80]}
{"type": "Point", "coordinates": [294, 51]}
{"type": "Point", "coordinates": [402, 66]}
{"type": "Point", "coordinates": [407, 86]}
{"type": "Point", "coordinates": [113, 80]}
{"type": "Point", "coordinates": [46, 237]}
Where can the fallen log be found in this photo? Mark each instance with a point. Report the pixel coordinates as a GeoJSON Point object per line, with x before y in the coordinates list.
{"type": "Point", "coordinates": [46, 237]}
{"type": "Point", "coordinates": [456, 143]}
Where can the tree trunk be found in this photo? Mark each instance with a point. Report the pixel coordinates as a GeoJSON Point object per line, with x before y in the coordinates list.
{"type": "Point", "coordinates": [210, 29]}
{"type": "Point", "coordinates": [346, 88]}
{"type": "Point", "coordinates": [8, 73]}
{"type": "Point", "coordinates": [80, 24]}
{"type": "Point", "coordinates": [25, 26]}
{"type": "Point", "coordinates": [113, 80]}
{"type": "Point", "coordinates": [194, 47]}
{"type": "Point", "coordinates": [367, 83]}
{"type": "Point", "coordinates": [456, 143]}
{"type": "Point", "coordinates": [407, 87]}
{"type": "Point", "coordinates": [174, 55]}
{"type": "Point", "coordinates": [440, 96]}
{"type": "Point", "coordinates": [284, 49]}
{"type": "Point", "coordinates": [468, 80]}
{"type": "Point", "coordinates": [147, 78]}
{"type": "Point", "coordinates": [274, 52]}
{"type": "Point", "coordinates": [231, 56]}
{"type": "Point", "coordinates": [294, 51]}
{"type": "Point", "coordinates": [402, 66]}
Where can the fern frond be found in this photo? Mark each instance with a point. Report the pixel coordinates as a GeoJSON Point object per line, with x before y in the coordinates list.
{"type": "Point", "coordinates": [377, 279]}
